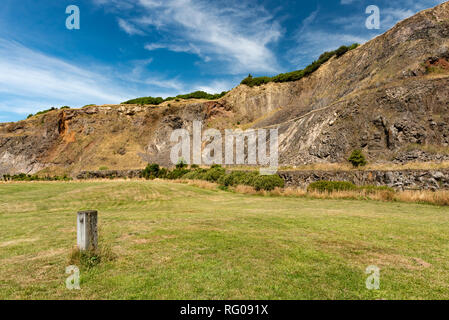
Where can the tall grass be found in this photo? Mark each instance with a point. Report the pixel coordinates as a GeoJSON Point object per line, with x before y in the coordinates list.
{"type": "Point", "coordinates": [343, 166]}
{"type": "Point", "coordinates": [440, 198]}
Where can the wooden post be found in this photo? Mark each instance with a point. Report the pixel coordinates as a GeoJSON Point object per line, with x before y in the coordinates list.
{"type": "Point", "coordinates": [87, 234]}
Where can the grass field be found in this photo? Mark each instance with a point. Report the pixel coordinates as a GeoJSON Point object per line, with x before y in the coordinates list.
{"type": "Point", "coordinates": [176, 241]}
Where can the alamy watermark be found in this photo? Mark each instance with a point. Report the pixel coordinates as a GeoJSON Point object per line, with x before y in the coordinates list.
{"type": "Point", "coordinates": [373, 281]}
{"type": "Point", "coordinates": [240, 147]}
{"type": "Point", "coordinates": [73, 20]}
{"type": "Point", "coordinates": [73, 281]}
{"type": "Point", "coordinates": [373, 21]}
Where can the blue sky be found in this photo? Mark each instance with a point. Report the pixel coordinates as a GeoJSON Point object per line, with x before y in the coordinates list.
{"type": "Point", "coordinates": [131, 48]}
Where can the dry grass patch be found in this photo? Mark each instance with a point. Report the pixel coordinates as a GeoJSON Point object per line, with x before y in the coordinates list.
{"type": "Point", "coordinates": [198, 183]}
{"type": "Point", "coordinates": [345, 166]}
{"type": "Point", "coordinates": [440, 197]}
{"type": "Point", "coordinates": [18, 241]}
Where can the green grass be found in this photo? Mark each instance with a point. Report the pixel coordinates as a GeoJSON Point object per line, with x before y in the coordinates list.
{"type": "Point", "coordinates": [175, 241]}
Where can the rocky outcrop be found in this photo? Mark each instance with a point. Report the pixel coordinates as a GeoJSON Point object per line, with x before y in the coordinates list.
{"type": "Point", "coordinates": [388, 97]}
{"type": "Point", "coordinates": [400, 179]}
{"type": "Point", "coordinates": [397, 179]}
{"type": "Point", "coordinates": [109, 174]}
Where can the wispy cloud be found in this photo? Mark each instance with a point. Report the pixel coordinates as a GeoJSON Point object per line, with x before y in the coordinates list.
{"type": "Point", "coordinates": [323, 33]}
{"type": "Point", "coordinates": [31, 80]}
{"type": "Point", "coordinates": [129, 28]}
{"type": "Point", "coordinates": [237, 35]}
{"type": "Point", "coordinates": [34, 80]}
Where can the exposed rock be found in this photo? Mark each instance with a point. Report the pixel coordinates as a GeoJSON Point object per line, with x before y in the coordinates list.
{"type": "Point", "coordinates": [401, 180]}
{"type": "Point", "coordinates": [388, 97]}
{"type": "Point", "coordinates": [109, 174]}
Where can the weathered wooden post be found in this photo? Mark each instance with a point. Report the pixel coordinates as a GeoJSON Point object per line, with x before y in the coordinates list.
{"type": "Point", "coordinates": [87, 234]}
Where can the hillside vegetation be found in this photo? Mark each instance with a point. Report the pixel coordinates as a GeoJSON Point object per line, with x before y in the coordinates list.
{"type": "Point", "coordinates": [299, 74]}
{"type": "Point", "coordinates": [250, 81]}
{"type": "Point", "coordinates": [193, 95]}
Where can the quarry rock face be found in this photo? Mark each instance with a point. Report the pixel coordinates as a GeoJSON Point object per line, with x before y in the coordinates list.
{"type": "Point", "coordinates": [397, 179]}
{"type": "Point", "coordinates": [389, 97]}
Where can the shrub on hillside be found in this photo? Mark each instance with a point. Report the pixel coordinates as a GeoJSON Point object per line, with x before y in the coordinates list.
{"type": "Point", "coordinates": [299, 74]}
{"type": "Point", "coordinates": [196, 174]}
{"type": "Point", "coordinates": [217, 174]}
{"type": "Point", "coordinates": [268, 183]}
{"type": "Point", "coordinates": [214, 173]}
{"type": "Point", "coordinates": [163, 172]}
{"type": "Point", "coordinates": [42, 112]}
{"type": "Point", "coordinates": [232, 179]}
{"type": "Point", "coordinates": [159, 100]}
{"type": "Point", "coordinates": [151, 171]}
{"type": "Point", "coordinates": [145, 100]}
{"type": "Point", "coordinates": [177, 173]}
{"type": "Point", "coordinates": [331, 186]}
{"type": "Point", "coordinates": [357, 159]}
{"type": "Point", "coordinates": [181, 164]}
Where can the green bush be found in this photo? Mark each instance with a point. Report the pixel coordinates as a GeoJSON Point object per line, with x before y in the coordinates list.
{"type": "Point", "coordinates": [193, 95]}
{"type": "Point", "coordinates": [181, 164]}
{"type": "Point", "coordinates": [247, 179]}
{"type": "Point", "coordinates": [197, 174]}
{"type": "Point", "coordinates": [214, 174]}
{"type": "Point", "coordinates": [232, 179]}
{"type": "Point", "coordinates": [151, 171]}
{"type": "Point", "coordinates": [201, 95]}
{"type": "Point", "coordinates": [145, 100]}
{"type": "Point", "coordinates": [268, 183]}
{"type": "Point", "coordinates": [330, 186]}
{"type": "Point", "coordinates": [163, 173]}
{"type": "Point", "coordinates": [357, 159]}
{"type": "Point", "coordinates": [253, 179]}
{"type": "Point", "coordinates": [299, 74]}
{"type": "Point", "coordinates": [177, 173]}
{"type": "Point", "coordinates": [42, 112]}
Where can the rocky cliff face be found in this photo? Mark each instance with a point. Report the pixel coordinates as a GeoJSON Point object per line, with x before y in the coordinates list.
{"type": "Point", "coordinates": [389, 97]}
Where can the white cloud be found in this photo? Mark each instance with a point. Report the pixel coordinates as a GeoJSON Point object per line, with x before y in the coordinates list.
{"type": "Point", "coordinates": [129, 28]}
{"type": "Point", "coordinates": [215, 86]}
{"type": "Point", "coordinates": [238, 33]}
{"type": "Point", "coordinates": [35, 79]}
{"type": "Point", "coordinates": [31, 81]}
{"type": "Point", "coordinates": [190, 48]}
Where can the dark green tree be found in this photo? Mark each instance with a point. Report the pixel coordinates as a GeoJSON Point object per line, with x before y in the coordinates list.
{"type": "Point", "coordinates": [357, 159]}
{"type": "Point", "coordinates": [181, 164]}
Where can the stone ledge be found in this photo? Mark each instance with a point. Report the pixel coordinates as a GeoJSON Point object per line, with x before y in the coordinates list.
{"type": "Point", "coordinates": [398, 179]}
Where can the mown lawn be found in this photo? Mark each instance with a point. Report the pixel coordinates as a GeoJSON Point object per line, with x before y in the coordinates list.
{"type": "Point", "coordinates": [175, 241]}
